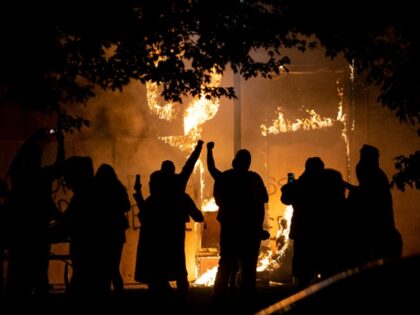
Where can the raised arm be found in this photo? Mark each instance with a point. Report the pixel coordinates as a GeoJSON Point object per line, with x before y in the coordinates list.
{"type": "Point", "coordinates": [188, 167]}
{"type": "Point", "coordinates": [211, 165]}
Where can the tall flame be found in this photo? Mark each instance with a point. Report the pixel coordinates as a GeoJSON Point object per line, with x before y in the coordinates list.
{"type": "Point", "coordinates": [197, 113]}
{"type": "Point", "coordinates": [342, 117]}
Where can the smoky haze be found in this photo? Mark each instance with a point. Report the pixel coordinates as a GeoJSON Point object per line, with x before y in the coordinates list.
{"type": "Point", "coordinates": [125, 133]}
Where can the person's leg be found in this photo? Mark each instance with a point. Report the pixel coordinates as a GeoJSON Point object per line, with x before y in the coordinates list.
{"type": "Point", "coordinates": [221, 283]}
{"type": "Point", "coordinates": [227, 262]}
{"type": "Point", "coordinates": [233, 279]}
{"type": "Point", "coordinates": [248, 263]}
{"type": "Point", "coordinates": [182, 285]}
{"type": "Point", "coordinates": [159, 288]}
{"type": "Point", "coordinates": [116, 278]}
{"type": "Point", "coordinates": [41, 260]}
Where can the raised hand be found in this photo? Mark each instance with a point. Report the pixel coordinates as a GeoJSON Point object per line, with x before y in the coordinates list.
{"type": "Point", "coordinates": [137, 183]}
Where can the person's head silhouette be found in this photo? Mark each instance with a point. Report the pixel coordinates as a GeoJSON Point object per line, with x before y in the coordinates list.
{"type": "Point", "coordinates": [242, 160]}
{"type": "Point", "coordinates": [369, 154]}
{"type": "Point", "coordinates": [314, 165]}
{"type": "Point", "coordinates": [168, 167]}
{"type": "Point", "coordinates": [106, 173]}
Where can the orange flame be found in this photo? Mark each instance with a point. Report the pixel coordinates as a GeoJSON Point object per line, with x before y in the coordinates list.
{"type": "Point", "coordinates": [206, 279]}
{"type": "Point", "coordinates": [209, 205]}
{"type": "Point", "coordinates": [197, 113]}
{"type": "Point", "coordinates": [282, 125]}
{"type": "Point", "coordinates": [166, 111]}
{"type": "Point", "coordinates": [285, 229]}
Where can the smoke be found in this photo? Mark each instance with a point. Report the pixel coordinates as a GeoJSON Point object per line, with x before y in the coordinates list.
{"type": "Point", "coordinates": [125, 133]}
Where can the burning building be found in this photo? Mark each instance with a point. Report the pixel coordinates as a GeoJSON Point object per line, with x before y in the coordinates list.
{"type": "Point", "coordinates": [318, 109]}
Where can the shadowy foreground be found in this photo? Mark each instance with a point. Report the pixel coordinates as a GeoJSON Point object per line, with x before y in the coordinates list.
{"type": "Point", "coordinates": [200, 300]}
{"type": "Point", "coordinates": [377, 288]}
{"type": "Point", "coordinates": [380, 287]}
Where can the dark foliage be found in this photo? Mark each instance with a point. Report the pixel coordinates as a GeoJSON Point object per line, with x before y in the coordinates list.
{"type": "Point", "coordinates": [408, 171]}
{"type": "Point", "coordinates": [56, 54]}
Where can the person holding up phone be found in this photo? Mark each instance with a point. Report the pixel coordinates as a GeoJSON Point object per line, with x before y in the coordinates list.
{"type": "Point", "coordinates": [296, 193]}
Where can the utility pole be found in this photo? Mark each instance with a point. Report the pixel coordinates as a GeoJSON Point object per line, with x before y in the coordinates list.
{"type": "Point", "coordinates": [237, 113]}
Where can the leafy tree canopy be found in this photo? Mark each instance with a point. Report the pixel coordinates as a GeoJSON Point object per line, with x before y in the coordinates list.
{"type": "Point", "coordinates": [56, 53]}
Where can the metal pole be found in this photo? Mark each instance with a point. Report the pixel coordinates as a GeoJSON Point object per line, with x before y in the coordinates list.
{"type": "Point", "coordinates": [237, 113]}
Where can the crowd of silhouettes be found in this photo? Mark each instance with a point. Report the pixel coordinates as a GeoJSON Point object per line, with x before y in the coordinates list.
{"type": "Point", "coordinates": [168, 207]}
{"type": "Point", "coordinates": [95, 221]}
{"type": "Point", "coordinates": [335, 225]}
{"type": "Point", "coordinates": [332, 229]}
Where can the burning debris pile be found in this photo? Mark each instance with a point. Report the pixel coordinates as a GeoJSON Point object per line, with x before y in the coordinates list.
{"type": "Point", "coordinates": [269, 260]}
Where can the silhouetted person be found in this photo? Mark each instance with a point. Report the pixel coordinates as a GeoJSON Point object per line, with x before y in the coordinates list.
{"type": "Point", "coordinates": [113, 203]}
{"type": "Point", "coordinates": [168, 207]}
{"type": "Point", "coordinates": [240, 195]}
{"type": "Point", "coordinates": [163, 210]}
{"type": "Point", "coordinates": [31, 210]}
{"type": "Point", "coordinates": [303, 195]}
{"type": "Point", "coordinates": [89, 279]}
{"type": "Point", "coordinates": [331, 226]}
{"type": "Point", "coordinates": [372, 200]}
{"type": "Point", "coordinates": [216, 174]}
{"type": "Point", "coordinates": [175, 185]}
{"type": "Point", "coordinates": [151, 261]}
